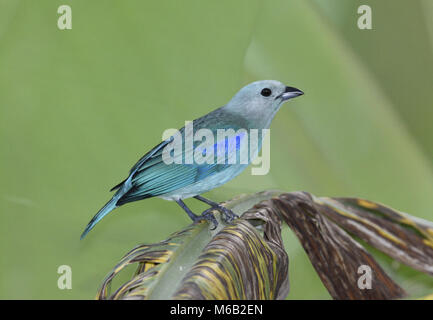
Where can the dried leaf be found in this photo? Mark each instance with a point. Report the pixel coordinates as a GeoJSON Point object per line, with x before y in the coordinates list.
{"type": "Point", "coordinates": [247, 260]}
{"type": "Point", "coordinates": [405, 238]}
{"type": "Point", "coordinates": [333, 253]}
{"type": "Point", "coordinates": [239, 264]}
{"type": "Point", "coordinates": [232, 262]}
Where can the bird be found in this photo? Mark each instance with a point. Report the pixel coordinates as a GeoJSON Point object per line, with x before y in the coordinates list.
{"type": "Point", "coordinates": [252, 107]}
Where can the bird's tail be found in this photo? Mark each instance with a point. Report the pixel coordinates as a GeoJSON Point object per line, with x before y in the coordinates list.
{"type": "Point", "coordinates": [111, 205]}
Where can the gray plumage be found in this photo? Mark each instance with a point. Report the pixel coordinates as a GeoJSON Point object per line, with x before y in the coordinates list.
{"type": "Point", "coordinates": [253, 107]}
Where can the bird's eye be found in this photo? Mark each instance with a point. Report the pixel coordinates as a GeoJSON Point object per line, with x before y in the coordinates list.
{"type": "Point", "coordinates": [266, 92]}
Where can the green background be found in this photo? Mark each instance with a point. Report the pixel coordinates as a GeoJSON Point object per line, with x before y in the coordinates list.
{"type": "Point", "coordinates": [79, 107]}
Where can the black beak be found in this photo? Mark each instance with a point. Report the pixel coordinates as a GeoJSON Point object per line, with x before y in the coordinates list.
{"type": "Point", "coordinates": [290, 93]}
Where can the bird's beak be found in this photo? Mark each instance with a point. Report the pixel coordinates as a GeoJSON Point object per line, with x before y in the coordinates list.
{"type": "Point", "coordinates": [290, 93]}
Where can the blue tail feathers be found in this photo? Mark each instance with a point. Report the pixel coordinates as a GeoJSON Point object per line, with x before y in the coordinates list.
{"type": "Point", "coordinates": [111, 205]}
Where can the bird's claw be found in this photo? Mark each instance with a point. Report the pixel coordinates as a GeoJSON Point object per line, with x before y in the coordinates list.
{"type": "Point", "coordinates": [208, 216]}
{"type": "Point", "coordinates": [229, 215]}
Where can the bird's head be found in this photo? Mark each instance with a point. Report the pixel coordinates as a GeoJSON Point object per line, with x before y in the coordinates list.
{"type": "Point", "coordinates": [260, 100]}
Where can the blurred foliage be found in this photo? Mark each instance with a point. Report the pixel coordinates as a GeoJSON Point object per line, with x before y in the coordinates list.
{"type": "Point", "coordinates": [79, 107]}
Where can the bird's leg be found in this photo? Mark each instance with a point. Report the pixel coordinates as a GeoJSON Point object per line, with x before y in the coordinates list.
{"type": "Point", "coordinates": [195, 218]}
{"type": "Point", "coordinates": [229, 214]}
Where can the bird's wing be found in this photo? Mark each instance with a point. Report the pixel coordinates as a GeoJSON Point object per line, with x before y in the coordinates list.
{"type": "Point", "coordinates": [153, 154]}
{"type": "Point", "coordinates": [152, 176]}
{"type": "Point", "coordinates": [162, 179]}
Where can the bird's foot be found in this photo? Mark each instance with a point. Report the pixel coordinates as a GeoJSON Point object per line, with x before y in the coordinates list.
{"type": "Point", "coordinates": [208, 216]}
{"type": "Point", "coordinates": [228, 214]}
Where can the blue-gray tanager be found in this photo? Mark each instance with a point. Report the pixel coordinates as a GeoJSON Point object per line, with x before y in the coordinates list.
{"type": "Point", "coordinates": [182, 167]}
